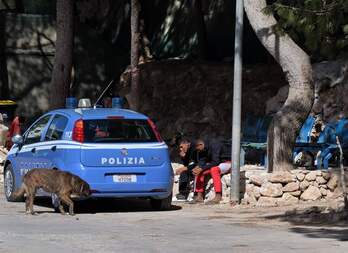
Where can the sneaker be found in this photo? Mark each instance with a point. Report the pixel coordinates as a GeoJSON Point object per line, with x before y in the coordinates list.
{"type": "Point", "coordinates": [180, 196]}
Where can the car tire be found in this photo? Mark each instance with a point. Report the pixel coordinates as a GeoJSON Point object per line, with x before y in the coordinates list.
{"type": "Point", "coordinates": [10, 185]}
{"type": "Point", "coordinates": [161, 204]}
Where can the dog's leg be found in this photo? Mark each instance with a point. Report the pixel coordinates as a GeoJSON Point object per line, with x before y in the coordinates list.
{"type": "Point", "coordinates": [61, 208]}
{"type": "Point", "coordinates": [31, 201]}
{"type": "Point", "coordinates": [69, 202]}
{"type": "Point", "coordinates": [27, 204]}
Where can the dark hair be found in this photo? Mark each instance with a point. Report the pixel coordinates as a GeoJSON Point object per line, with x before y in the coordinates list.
{"type": "Point", "coordinates": [200, 140]}
{"type": "Point", "coordinates": [184, 141]}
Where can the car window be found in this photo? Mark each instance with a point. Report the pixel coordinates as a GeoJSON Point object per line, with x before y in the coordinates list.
{"type": "Point", "coordinates": [118, 130]}
{"type": "Point", "coordinates": [56, 129]}
{"type": "Point", "coordinates": [34, 133]}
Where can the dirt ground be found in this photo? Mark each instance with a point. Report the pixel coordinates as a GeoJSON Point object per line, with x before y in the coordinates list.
{"type": "Point", "coordinates": [130, 225]}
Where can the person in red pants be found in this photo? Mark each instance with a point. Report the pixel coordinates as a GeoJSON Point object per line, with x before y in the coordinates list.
{"type": "Point", "coordinates": [211, 162]}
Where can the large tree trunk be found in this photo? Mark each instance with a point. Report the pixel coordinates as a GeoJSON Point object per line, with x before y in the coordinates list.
{"type": "Point", "coordinates": [201, 28]}
{"type": "Point", "coordinates": [133, 97]}
{"type": "Point", "coordinates": [296, 65]}
{"type": "Point", "coordinates": [4, 88]}
{"type": "Point", "coordinates": [61, 75]}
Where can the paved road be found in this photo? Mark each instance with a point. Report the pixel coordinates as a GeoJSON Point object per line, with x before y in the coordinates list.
{"type": "Point", "coordinates": [130, 226]}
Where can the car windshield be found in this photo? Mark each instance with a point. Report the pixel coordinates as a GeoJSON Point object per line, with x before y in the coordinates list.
{"type": "Point", "coordinates": [118, 130]}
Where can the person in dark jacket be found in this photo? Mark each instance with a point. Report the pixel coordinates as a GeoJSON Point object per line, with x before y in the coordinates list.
{"type": "Point", "coordinates": [211, 161]}
{"type": "Point", "coordinates": [187, 155]}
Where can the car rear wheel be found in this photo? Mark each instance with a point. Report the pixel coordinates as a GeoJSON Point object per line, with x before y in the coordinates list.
{"type": "Point", "coordinates": [161, 204]}
{"type": "Point", "coordinates": [10, 185]}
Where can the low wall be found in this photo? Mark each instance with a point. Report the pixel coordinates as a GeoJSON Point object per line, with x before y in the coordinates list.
{"type": "Point", "coordinates": [259, 188]}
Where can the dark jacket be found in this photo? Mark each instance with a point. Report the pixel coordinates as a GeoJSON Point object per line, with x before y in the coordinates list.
{"type": "Point", "coordinates": [211, 156]}
{"type": "Point", "coordinates": [190, 158]}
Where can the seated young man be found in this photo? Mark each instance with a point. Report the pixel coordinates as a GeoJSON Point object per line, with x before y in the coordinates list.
{"type": "Point", "coordinates": [210, 162]}
{"type": "Point", "coordinates": [186, 152]}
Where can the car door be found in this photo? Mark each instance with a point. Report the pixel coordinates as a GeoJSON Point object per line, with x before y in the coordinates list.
{"type": "Point", "coordinates": [52, 148]}
{"type": "Point", "coordinates": [27, 156]}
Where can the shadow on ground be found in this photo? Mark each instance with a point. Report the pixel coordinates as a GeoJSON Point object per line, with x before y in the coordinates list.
{"type": "Point", "coordinates": [105, 205]}
{"type": "Point", "coordinates": [317, 222]}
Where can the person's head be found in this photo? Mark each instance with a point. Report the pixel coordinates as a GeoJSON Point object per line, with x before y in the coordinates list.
{"type": "Point", "coordinates": [184, 145]}
{"type": "Point", "coordinates": [107, 102]}
{"type": "Point", "coordinates": [200, 145]}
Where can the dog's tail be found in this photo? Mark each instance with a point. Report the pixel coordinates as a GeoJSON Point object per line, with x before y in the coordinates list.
{"type": "Point", "coordinates": [20, 192]}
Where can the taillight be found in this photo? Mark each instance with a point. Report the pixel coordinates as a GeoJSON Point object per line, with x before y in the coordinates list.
{"type": "Point", "coordinates": [78, 133]}
{"type": "Point", "coordinates": [154, 129]}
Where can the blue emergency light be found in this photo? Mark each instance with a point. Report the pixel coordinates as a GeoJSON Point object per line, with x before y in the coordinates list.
{"type": "Point", "coordinates": [117, 102]}
{"type": "Point", "coordinates": [70, 103]}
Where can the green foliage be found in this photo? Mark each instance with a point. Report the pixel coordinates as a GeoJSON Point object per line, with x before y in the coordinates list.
{"type": "Point", "coordinates": [319, 26]}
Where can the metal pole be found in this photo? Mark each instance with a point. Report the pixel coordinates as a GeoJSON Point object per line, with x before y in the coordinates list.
{"type": "Point", "coordinates": [237, 99]}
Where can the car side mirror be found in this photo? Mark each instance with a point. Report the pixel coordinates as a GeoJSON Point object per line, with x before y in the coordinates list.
{"type": "Point", "coordinates": [17, 139]}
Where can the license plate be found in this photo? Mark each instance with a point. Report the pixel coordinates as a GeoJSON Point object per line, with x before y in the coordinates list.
{"type": "Point", "coordinates": [125, 178]}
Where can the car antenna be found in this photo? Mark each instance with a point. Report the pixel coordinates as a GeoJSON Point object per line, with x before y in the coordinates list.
{"type": "Point", "coordinates": [101, 95]}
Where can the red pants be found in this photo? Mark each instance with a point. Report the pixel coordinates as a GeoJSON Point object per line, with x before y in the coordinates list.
{"type": "Point", "coordinates": [215, 174]}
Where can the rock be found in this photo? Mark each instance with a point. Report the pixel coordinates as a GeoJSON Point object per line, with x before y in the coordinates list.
{"type": "Point", "coordinates": [323, 186]}
{"type": "Point", "coordinates": [332, 184]}
{"type": "Point", "coordinates": [319, 174]}
{"type": "Point", "coordinates": [326, 175]}
{"type": "Point", "coordinates": [226, 179]}
{"type": "Point", "coordinates": [312, 193]}
{"type": "Point", "coordinates": [271, 190]}
{"type": "Point", "coordinates": [291, 187]}
{"type": "Point", "coordinates": [300, 176]}
{"type": "Point", "coordinates": [267, 202]}
{"type": "Point", "coordinates": [321, 180]}
{"type": "Point", "coordinates": [315, 184]}
{"type": "Point", "coordinates": [337, 193]}
{"type": "Point", "coordinates": [288, 199]}
{"type": "Point", "coordinates": [323, 191]}
{"type": "Point", "coordinates": [249, 188]}
{"type": "Point", "coordinates": [281, 177]}
{"type": "Point", "coordinates": [304, 185]}
{"type": "Point", "coordinates": [296, 193]}
{"type": "Point", "coordinates": [249, 199]}
{"type": "Point", "coordinates": [257, 193]}
{"type": "Point", "coordinates": [257, 180]}
{"type": "Point", "coordinates": [175, 185]}
{"type": "Point", "coordinates": [329, 194]}
{"type": "Point", "coordinates": [311, 176]}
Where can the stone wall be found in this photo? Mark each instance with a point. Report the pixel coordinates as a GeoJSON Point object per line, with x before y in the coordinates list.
{"type": "Point", "coordinates": [283, 188]}
{"type": "Point", "coordinates": [259, 188]}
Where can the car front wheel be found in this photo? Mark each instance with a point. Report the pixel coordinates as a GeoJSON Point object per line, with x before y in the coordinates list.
{"type": "Point", "coordinates": [10, 185]}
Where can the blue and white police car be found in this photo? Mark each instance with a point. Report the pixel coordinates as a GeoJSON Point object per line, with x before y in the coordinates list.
{"type": "Point", "coordinates": [117, 151]}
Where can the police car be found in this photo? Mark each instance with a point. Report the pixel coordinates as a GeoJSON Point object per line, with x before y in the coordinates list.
{"type": "Point", "coordinates": [117, 151]}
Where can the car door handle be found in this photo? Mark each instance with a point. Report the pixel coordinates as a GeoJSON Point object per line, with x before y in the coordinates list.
{"type": "Point", "coordinates": [54, 148]}
{"type": "Point", "coordinates": [33, 150]}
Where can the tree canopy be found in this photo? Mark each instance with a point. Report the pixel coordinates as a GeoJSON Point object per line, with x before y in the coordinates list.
{"type": "Point", "coordinates": [319, 26]}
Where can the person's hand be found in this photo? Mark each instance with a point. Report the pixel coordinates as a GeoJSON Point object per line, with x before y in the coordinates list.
{"type": "Point", "coordinates": [180, 170]}
{"type": "Point", "coordinates": [196, 171]}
